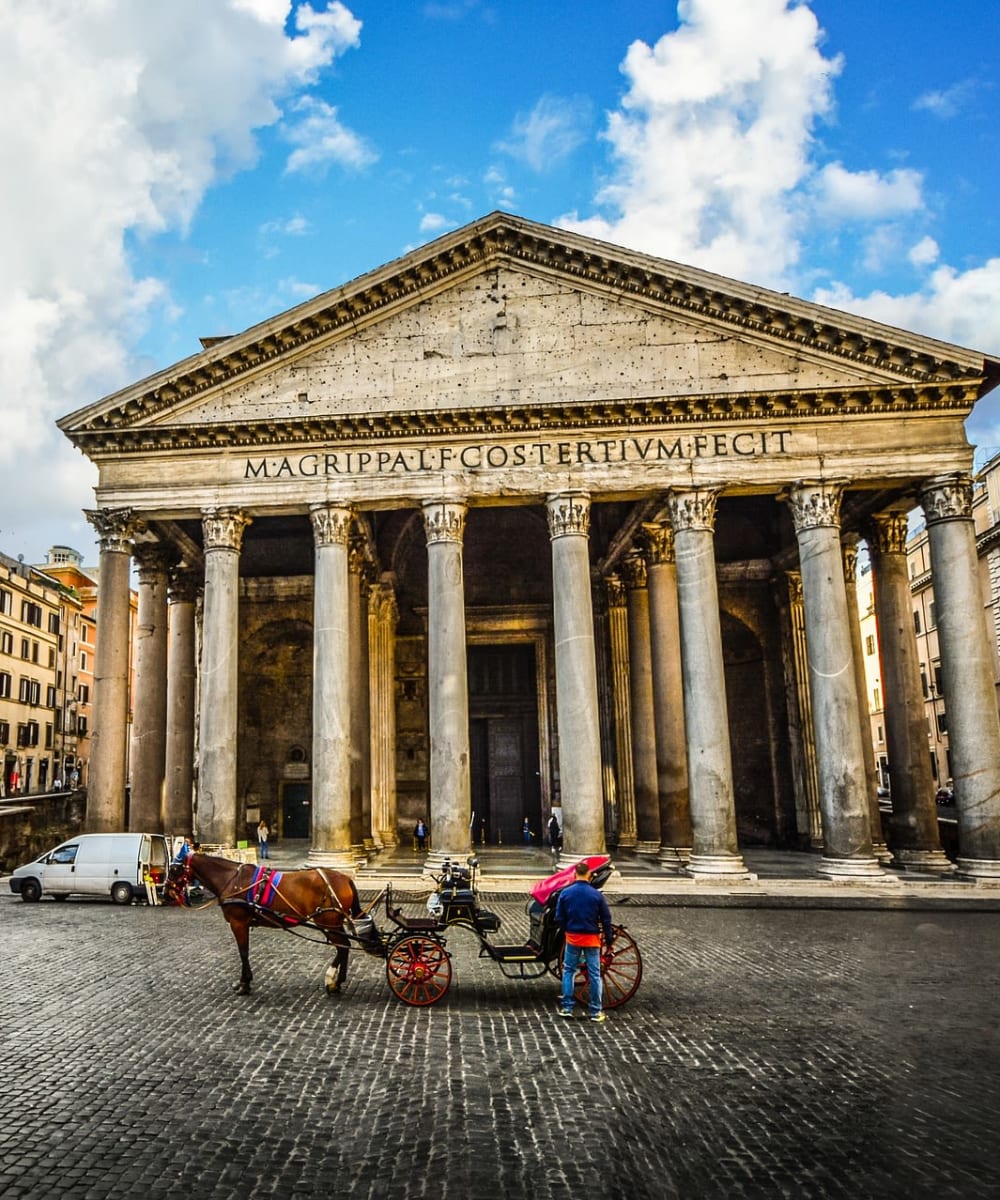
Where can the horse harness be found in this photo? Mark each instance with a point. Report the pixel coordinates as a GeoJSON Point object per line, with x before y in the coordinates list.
{"type": "Point", "coordinates": [264, 889]}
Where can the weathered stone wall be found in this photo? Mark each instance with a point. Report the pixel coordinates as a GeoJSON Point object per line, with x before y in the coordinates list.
{"type": "Point", "coordinates": [29, 829]}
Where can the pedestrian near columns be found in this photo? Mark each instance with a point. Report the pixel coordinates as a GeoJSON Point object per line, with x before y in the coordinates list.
{"type": "Point", "coordinates": [263, 833]}
{"type": "Point", "coordinates": [583, 913]}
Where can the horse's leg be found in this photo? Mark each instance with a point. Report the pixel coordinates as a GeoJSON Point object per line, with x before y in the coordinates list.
{"type": "Point", "coordinates": [239, 923]}
{"type": "Point", "coordinates": [336, 972]}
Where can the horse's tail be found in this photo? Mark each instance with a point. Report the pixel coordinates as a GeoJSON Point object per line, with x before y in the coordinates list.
{"type": "Point", "coordinates": [355, 899]}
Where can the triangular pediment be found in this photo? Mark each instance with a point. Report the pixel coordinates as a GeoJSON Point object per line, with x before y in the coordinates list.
{"type": "Point", "coordinates": [506, 321]}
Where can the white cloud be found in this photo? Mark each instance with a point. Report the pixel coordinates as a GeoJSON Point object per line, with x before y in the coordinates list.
{"type": "Point", "coordinates": [294, 226]}
{"type": "Point", "coordinates": [714, 136]}
{"type": "Point", "coordinates": [118, 118]}
{"type": "Point", "coordinates": [432, 222]}
{"type": "Point", "coordinates": [321, 140]}
{"type": "Point", "coordinates": [549, 133]}
{"type": "Point", "coordinates": [925, 252]}
{"type": "Point", "coordinates": [867, 195]}
{"type": "Point", "coordinates": [946, 103]}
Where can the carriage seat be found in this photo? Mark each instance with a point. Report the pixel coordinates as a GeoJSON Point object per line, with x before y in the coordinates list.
{"type": "Point", "coordinates": [416, 924]}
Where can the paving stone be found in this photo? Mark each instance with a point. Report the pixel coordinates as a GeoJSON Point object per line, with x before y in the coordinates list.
{"type": "Point", "coordinates": [798, 1053]}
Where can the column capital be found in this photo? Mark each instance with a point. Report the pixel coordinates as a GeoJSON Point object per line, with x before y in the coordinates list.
{"type": "Point", "coordinates": [947, 497]}
{"type": "Point", "coordinates": [152, 561]}
{"type": "Point", "coordinates": [849, 553]}
{"type": "Point", "coordinates": [660, 543]}
{"type": "Point", "coordinates": [888, 533]}
{"type": "Point", "coordinates": [183, 584]}
{"type": "Point", "coordinates": [383, 605]}
{"type": "Point", "coordinates": [223, 528]}
{"type": "Point", "coordinates": [815, 503]}
{"type": "Point", "coordinates": [569, 514]}
{"type": "Point", "coordinates": [444, 520]}
{"type": "Point", "coordinates": [794, 581]}
{"type": "Point", "coordinates": [634, 570]}
{"type": "Point", "coordinates": [331, 522]}
{"type": "Point", "coordinates": [116, 527]}
{"type": "Point", "coordinates": [693, 509]}
{"type": "Point", "coordinates": [615, 591]}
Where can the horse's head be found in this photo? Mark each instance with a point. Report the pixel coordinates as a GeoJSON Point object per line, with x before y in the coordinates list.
{"type": "Point", "coordinates": [181, 874]}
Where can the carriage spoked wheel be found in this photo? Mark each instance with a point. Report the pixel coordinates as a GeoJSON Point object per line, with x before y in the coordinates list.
{"type": "Point", "coordinates": [419, 970]}
{"type": "Point", "coordinates": [621, 972]}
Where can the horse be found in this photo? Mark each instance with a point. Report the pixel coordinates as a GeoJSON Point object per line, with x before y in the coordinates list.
{"type": "Point", "coordinates": [312, 898]}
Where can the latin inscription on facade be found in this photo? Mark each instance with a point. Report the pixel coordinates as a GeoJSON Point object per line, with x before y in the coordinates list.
{"type": "Point", "coordinates": [499, 455]}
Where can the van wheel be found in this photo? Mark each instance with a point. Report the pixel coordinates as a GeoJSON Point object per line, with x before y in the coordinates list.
{"type": "Point", "coordinates": [121, 893]}
{"type": "Point", "coordinates": [31, 890]}
{"type": "Point", "coordinates": [60, 895]}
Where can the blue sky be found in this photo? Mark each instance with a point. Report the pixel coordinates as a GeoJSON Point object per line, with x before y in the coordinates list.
{"type": "Point", "coordinates": [184, 170]}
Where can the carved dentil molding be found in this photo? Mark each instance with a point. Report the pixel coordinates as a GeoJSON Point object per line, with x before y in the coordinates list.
{"type": "Point", "coordinates": [223, 528]}
{"type": "Point", "coordinates": [569, 514]}
{"type": "Point", "coordinates": [693, 510]}
{"type": "Point", "coordinates": [815, 504]}
{"type": "Point", "coordinates": [947, 497]}
{"type": "Point", "coordinates": [331, 523]}
{"type": "Point", "coordinates": [444, 521]}
{"type": "Point", "coordinates": [116, 527]}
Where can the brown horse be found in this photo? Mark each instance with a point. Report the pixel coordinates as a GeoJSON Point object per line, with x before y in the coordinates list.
{"type": "Point", "coordinates": [314, 898]}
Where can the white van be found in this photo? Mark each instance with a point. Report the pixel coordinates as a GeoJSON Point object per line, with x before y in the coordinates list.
{"type": "Point", "coordinates": [95, 864]}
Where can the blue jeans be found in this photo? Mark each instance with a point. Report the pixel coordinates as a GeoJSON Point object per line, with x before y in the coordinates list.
{"type": "Point", "coordinates": [572, 956]}
{"type": "Point", "coordinates": [264, 852]}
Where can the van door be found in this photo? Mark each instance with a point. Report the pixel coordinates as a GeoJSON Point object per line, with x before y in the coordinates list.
{"type": "Point", "coordinates": [92, 866]}
{"type": "Point", "coordinates": [59, 873]}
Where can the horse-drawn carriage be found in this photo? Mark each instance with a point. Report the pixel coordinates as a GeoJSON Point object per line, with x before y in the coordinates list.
{"type": "Point", "coordinates": [417, 960]}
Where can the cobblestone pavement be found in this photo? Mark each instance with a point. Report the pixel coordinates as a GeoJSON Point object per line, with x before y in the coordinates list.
{"type": "Point", "coordinates": [767, 1053]}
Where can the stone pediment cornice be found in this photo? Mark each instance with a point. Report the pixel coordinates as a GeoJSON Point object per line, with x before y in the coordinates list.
{"type": "Point", "coordinates": [525, 419]}
{"type": "Point", "coordinates": [877, 350]}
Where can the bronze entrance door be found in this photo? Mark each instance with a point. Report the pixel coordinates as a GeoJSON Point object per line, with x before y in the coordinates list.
{"type": "Point", "coordinates": [296, 810]}
{"type": "Point", "coordinates": [503, 736]}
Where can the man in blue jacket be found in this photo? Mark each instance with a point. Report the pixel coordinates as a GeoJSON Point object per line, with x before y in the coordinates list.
{"type": "Point", "coordinates": [582, 913]}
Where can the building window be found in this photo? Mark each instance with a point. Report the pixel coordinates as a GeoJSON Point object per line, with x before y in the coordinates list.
{"type": "Point", "coordinates": [81, 726]}
{"type": "Point", "coordinates": [916, 620]}
{"type": "Point", "coordinates": [923, 680]}
{"type": "Point", "coordinates": [870, 644]}
{"type": "Point", "coordinates": [25, 648]}
{"type": "Point", "coordinates": [30, 691]}
{"type": "Point", "coordinates": [931, 615]}
{"type": "Point", "coordinates": [6, 601]}
{"type": "Point", "coordinates": [53, 622]}
{"type": "Point", "coordinates": [52, 657]}
{"type": "Point", "coordinates": [31, 614]}
{"type": "Point", "coordinates": [84, 693]}
{"type": "Point", "coordinates": [50, 696]}
{"type": "Point", "coordinates": [876, 698]}
{"type": "Point", "coordinates": [4, 732]}
{"type": "Point", "coordinates": [5, 682]}
{"type": "Point", "coordinates": [83, 662]}
{"type": "Point", "coordinates": [881, 734]}
{"type": "Point", "coordinates": [942, 722]}
{"type": "Point", "coordinates": [48, 735]}
{"type": "Point", "coordinates": [936, 668]}
{"type": "Point", "coordinates": [6, 642]}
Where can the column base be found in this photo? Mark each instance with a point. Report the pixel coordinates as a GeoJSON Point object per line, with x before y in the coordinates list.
{"type": "Point", "coordinates": [708, 868]}
{"type": "Point", "coordinates": [647, 848]}
{"type": "Point", "coordinates": [627, 841]}
{"type": "Point", "coordinates": [339, 860]}
{"type": "Point", "coordinates": [935, 861]}
{"type": "Point", "coordinates": [852, 868]}
{"type": "Point", "coordinates": [882, 853]}
{"type": "Point", "coordinates": [674, 858]}
{"type": "Point", "coordinates": [570, 860]}
{"type": "Point", "coordinates": [435, 860]}
{"type": "Point", "coordinates": [984, 869]}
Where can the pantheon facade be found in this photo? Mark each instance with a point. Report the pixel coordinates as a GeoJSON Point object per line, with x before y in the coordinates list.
{"type": "Point", "coordinates": [524, 522]}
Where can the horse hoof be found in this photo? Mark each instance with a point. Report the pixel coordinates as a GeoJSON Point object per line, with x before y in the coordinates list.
{"type": "Point", "coordinates": [242, 989]}
{"type": "Point", "coordinates": [333, 989]}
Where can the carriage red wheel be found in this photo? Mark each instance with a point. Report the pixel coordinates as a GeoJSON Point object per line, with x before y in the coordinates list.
{"type": "Point", "coordinates": [418, 970]}
{"type": "Point", "coordinates": [621, 972]}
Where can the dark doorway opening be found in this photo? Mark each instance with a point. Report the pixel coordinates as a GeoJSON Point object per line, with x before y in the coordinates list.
{"type": "Point", "coordinates": [296, 810]}
{"type": "Point", "coordinates": [503, 739]}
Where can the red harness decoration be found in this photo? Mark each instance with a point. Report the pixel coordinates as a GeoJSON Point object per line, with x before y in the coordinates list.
{"type": "Point", "coordinates": [264, 887]}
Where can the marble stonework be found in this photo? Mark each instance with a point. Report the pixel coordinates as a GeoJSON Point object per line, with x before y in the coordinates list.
{"type": "Point", "coordinates": [490, 429]}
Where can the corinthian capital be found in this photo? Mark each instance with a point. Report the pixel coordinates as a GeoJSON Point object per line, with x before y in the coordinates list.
{"type": "Point", "coordinates": [616, 591]}
{"type": "Point", "coordinates": [115, 527]}
{"type": "Point", "coordinates": [693, 509]}
{"type": "Point", "coordinates": [887, 533]}
{"type": "Point", "coordinates": [569, 514]}
{"type": "Point", "coordinates": [183, 584]}
{"type": "Point", "coordinates": [947, 497]}
{"type": "Point", "coordinates": [634, 570]}
{"type": "Point", "coordinates": [152, 562]}
{"type": "Point", "coordinates": [660, 540]}
{"type": "Point", "coordinates": [331, 523]}
{"type": "Point", "coordinates": [815, 503]}
{"type": "Point", "coordinates": [222, 528]}
{"type": "Point", "coordinates": [444, 521]}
